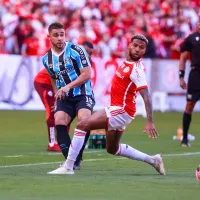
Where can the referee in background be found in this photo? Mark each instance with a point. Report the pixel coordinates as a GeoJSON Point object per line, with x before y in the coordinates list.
{"type": "Point", "coordinates": [190, 46]}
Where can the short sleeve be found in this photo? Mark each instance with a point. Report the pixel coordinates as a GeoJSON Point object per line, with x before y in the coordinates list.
{"type": "Point", "coordinates": [45, 63]}
{"type": "Point", "coordinates": [81, 56]}
{"type": "Point", "coordinates": [138, 77]}
{"type": "Point", "coordinates": [187, 45]}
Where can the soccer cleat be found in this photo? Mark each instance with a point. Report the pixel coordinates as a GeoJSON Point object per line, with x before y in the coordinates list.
{"type": "Point", "coordinates": [198, 173]}
{"type": "Point", "coordinates": [185, 144]}
{"type": "Point", "coordinates": [158, 164]}
{"type": "Point", "coordinates": [62, 170]}
{"type": "Point", "coordinates": [55, 147]}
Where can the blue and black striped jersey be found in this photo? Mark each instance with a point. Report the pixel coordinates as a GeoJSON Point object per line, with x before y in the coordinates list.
{"type": "Point", "coordinates": [66, 67]}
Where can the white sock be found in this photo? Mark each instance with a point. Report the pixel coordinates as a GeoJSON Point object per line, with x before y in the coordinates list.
{"type": "Point", "coordinates": [52, 135]}
{"type": "Point", "coordinates": [129, 152]}
{"type": "Point", "coordinates": [75, 147]}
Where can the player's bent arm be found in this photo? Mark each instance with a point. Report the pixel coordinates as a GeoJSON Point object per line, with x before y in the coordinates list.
{"type": "Point", "coordinates": [148, 105]}
{"type": "Point", "coordinates": [183, 59]}
{"type": "Point", "coordinates": [53, 83]}
{"type": "Point", "coordinates": [85, 74]}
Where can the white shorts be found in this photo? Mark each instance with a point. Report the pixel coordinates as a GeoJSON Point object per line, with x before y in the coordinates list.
{"type": "Point", "coordinates": [118, 118]}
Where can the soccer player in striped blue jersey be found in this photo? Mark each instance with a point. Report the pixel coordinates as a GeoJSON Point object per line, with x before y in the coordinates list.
{"type": "Point", "coordinates": [69, 66]}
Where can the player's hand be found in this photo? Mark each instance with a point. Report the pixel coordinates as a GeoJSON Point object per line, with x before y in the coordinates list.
{"type": "Point", "coordinates": [151, 130]}
{"type": "Point", "coordinates": [60, 94]}
{"type": "Point", "coordinates": [183, 84]}
{"type": "Point", "coordinates": [66, 89]}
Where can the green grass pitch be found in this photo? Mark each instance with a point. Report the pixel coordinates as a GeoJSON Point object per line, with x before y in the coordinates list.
{"type": "Point", "coordinates": [24, 163]}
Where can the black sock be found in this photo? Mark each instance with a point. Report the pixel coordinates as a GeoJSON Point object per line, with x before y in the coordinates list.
{"type": "Point", "coordinates": [186, 124]}
{"type": "Point", "coordinates": [80, 155]}
{"type": "Point", "coordinates": [63, 139]}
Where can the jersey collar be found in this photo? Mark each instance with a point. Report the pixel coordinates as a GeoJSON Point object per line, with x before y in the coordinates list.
{"type": "Point", "coordinates": [61, 51]}
{"type": "Point", "coordinates": [131, 63]}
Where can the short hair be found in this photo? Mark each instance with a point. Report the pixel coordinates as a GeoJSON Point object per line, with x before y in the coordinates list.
{"type": "Point", "coordinates": [88, 44]}
{"type": "Point", "coordinates": [140, 37]}
{"type": "Point", "coordinates": [55, 25]}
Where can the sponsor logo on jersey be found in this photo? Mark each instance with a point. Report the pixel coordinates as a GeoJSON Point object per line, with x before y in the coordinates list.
{"type": "Point", "coordinates": [79, 49]}
{"type": "Point", "coordinates": [51, 65]}
{"type": "Point", "coordinates": [137, 73]}
{"type": "Point", "coordinates": [64, 71]}
{"type": "Point", "coordinates": [119, 75]}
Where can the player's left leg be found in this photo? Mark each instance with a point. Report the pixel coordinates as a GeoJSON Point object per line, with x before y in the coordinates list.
{"type": "Point", "coordinates": [113, 146]}
{"type": "Point", "coordinates": [187, 117]}
{"type": "Point", "coordinates": [96, 121]}
{"type": "Point", "coordinates": [118, 120]}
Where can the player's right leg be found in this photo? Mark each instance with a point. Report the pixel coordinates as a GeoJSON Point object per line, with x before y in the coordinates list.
{"type": "Point", "coordinates": [96, 121]}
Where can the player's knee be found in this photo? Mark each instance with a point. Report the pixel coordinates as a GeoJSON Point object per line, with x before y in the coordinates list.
{"type": "Point", "coordinates": [60, 121]}
{"type": "Point", "coordinates": [111, 149]}
{"type": "Point", "coordinates": [189, 107]}
{"type": "Point", "coordinates": [83, 125]}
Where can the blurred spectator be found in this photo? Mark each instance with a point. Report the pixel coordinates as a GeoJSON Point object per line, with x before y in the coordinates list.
{"type": "Point", "coordinates": [21, 32]}
{"type": "Point", "coordinates": [30, 45]}
{"type": "Point", "coordinates": [151, 48]}
{"type": "Point", "coordinates": [2, 39]}
{"type": "Point", "coordinates": [102, 47]}
{"type": "Point", "coordinates": [107, 23]}
{"type": "Point", "coordinates": [118, 44]}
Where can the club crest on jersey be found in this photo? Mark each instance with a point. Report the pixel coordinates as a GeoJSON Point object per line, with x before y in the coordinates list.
{"type": "Point", "coordinates": [67, 61]}
{"type": "Point", "coordinates": [126, 69]}
{"type": "Point", "coordinates": [197, 38]}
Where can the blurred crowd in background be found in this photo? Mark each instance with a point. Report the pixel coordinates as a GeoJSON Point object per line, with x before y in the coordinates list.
{"type": "Point", "coordinates": [108, 24]}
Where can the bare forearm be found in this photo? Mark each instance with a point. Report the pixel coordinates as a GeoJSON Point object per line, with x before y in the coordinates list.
{"type": "Point", "coordinates": [83, 77]}
{"type": "Point", "coordinates": [183, 59]}
{"type": "Point", "coordinates": [148, 105]}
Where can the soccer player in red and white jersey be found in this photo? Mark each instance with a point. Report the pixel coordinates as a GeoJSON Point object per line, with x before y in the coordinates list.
{"type": "Point", "coordinates": [42, 84]}
{"type": "Point", "coordinates": [128, 79]}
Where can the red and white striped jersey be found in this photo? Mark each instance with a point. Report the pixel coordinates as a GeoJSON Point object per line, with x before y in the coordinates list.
{"type": "Point", "coordinates": [128, 79]}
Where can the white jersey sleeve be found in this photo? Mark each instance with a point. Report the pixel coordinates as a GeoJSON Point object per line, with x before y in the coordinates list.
{"type": "Point", "coordinates": [138, 77]}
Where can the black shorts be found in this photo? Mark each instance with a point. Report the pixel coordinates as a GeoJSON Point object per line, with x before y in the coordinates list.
{"type": "Point", "coordinates": [193, 91]}
{"type": "Point", "coordinates": [71, 105]}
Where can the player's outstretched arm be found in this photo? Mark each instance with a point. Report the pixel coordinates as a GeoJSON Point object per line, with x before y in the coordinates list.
{"type": "Point", "coordinates": [149, 128]}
